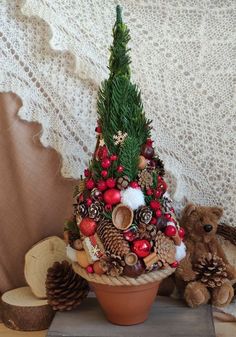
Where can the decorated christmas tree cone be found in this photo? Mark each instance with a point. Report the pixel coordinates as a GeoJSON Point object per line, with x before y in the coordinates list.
{"type": "Point", "coordinates": [122, 235]}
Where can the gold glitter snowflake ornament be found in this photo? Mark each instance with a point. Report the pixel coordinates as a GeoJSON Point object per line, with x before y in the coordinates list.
{"type": "Point", "coordinates": [120, 137]}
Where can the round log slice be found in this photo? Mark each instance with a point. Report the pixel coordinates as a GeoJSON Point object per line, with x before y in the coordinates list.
{"type": "Point", "coordinates": [41, 257]}
{"type": "Point", "coordinates": [21, 310]}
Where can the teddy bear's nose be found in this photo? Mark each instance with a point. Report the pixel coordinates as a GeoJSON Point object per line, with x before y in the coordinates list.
{"type": "Point", "coordinates": [207, 228]}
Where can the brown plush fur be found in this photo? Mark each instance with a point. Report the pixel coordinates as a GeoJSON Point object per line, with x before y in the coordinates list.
{"type": "Point", "coordinates": [199, 242]}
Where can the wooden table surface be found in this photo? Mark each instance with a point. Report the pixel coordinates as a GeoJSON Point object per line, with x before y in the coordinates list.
{"type": "Point", "coordinates": [223, 329]}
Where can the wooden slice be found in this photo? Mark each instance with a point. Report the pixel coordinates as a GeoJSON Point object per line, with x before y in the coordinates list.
{"type": "Point", "coordinates": [21, 310]}
{"type": "Point", "coordinates": [41, 257]}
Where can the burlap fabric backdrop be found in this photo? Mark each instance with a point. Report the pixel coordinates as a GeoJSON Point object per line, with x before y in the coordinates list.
{"type": "Point", "coordinates": [34, 198]}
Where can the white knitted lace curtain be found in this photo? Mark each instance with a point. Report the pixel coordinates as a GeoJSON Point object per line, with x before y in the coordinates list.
{"type": "Point", "coordinates": [54, 54]}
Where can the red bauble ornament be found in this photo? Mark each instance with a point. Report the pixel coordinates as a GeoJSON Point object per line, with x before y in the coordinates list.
{"type": "Point", "coordinates": [89, 269]}
{"type": "Point", "coordinates": [147, 151]}
{"type": "Point", "coordinates": [112, 196]}
{"type": "Point", "coordinates": [111, 182]}
{"type": "Point", "coordinates": [90, 184]}
{"type": "Point", "coordinates": [149, 191]}
{"type": "Point", "coordinates": [170, 230]}
{"type": "Point", "coordinates": [158, 213]}
{"type": "Point", "coordinates": [149, 142]}
{"type": "Point", "coordinates": [155, 205]}
{"type": "Point", "coordinates": [104, 173]}
{"type": "Point", "coordinates": [181, 232]}
{"type": "Point", "coordinates": [87, 173]}
{"type": "Point", "coordinates": [134, 184]}
{"type": "Point", "coordinates": [141, 248]}
{"type": "Point", "coordinates": [88, 226]}
{"type": "Point", "coordinates": [102, 186]}
{"type": "Point", "coordinates": [113, 157]}
{"type": "Point", "coordinates": [174, 264]}
{"type": "Point", "coordinates": [108, 208]}
{"type": "Point", "coordinates": [106, 163]}
{"type": "Point", "coordinates": [120, 169]}
{"type": "Point", "coordinates": [102, 152]}
{"type": "Point", "coordinates": [89, 202]}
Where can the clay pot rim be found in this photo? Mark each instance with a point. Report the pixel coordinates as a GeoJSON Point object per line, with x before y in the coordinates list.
{"type": "Point", "coordinates": [124, 288]}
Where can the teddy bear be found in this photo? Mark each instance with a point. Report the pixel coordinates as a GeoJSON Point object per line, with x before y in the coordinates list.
{"type": "Point", "coordinates": [203, 251]}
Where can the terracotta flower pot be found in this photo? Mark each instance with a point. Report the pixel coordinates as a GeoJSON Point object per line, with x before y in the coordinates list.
{"type": "Point", "coordinates": [126, 305]}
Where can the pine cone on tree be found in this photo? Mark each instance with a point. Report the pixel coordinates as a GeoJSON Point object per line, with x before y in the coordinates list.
{"type": "Point", "coordinates": [65, 289]}
{"type": "Point", "coordinates": [83, 209]}
{"type": "Point", "coordinates": [148, 232]}
{"type": "Point", "coordinates": [145, 179]}
{"type": "Point", "coordinates": [112, 264]}
{"type": "Point", "coordinates": [211, 270]}
{"type": "Point", "coordinates": [112, 238]}
{"type": "Point", "coordinates": [165, 249]}
{"type": "Point", "coordinates": [143, 215]}
{"type": "Point", "coordinates": [95, 210]}
{"type": "Point", "coordinates": [123, 182]}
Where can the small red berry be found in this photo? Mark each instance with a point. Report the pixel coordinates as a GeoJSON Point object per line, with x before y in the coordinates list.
{"type": "Point", "coordinates": [120, 169]}
{"type": "Point", "coordinates": [149, 141]}
{"type": "Point", "coordinates": [87, 173]}
{"type": "Point", "coordinates": [181, 232]}
{"type": "Point", "coordinates": [153, 221]}
{"type": "Point", "coordinates": [134, 184]}
{"type": "Point", "coordinates": [111, 182]}
{"type": "Point", "coordinates": [157, 194]}
{"type": "Point", "coordinates": [108, 207]}
{"type": "Point", "coordinates": [89, 202]}
{"type": "Point", "coordinates": [104, 173]}
{"type": "Point", "coordinates": [149, 191]}
{"type": "Point", "coordinates": [98, 129]}
{"type": "Point", "coordinates": [113, 157]}
{"type": "Point", "coordinates": [167, 216]}
{"type": "Point", "coordinates": [158, 213]}
{"type": "Point", "coordinates": [174, 264]}
{"type": "Point", "coordinates": [90, 184]}
{"type": "Point", "coordinates": [102, 186]}
{"type": "Point", "coordinates": [106, 163]}
{"type": "Point", "coordinates": [170, 230]}
{"type": "Point", "coordinates": [155, 205]}
{"type": "Point", "coordinates": [89, 269]}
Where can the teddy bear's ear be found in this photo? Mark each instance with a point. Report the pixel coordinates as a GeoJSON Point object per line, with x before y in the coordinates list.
{"type": "Point", "coordinates": [189, 209]}
{"type": "Point", "coordinates": [218, 211]}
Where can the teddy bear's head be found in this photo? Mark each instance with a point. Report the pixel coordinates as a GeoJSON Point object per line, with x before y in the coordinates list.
{"type": "Point", "coordinates": [200, 222]}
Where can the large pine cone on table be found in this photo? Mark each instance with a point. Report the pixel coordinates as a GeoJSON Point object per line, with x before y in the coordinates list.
{"type": "Point", "coordinates": [211, 270]}
{"type": "Point", "coordinates": [65, 289]}
{"type": "Point", "coordinates": [112, 238]}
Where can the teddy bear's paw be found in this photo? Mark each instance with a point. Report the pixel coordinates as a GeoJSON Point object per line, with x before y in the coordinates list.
{"type": "Point", "coordinates": [196, 294]}
{"type": "Point", "coordinates": [223, 295]}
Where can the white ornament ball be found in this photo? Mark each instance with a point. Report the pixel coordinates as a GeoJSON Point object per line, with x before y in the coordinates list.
{"type": "Point", "coordinates": [180, 252]}
{"type": "Point", "coordinates": [132, 197]}
{"type": "Point", "coordinates": [71, 253]}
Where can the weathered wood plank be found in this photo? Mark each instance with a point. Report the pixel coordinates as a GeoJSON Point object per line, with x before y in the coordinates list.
{"type": "Point", "coordinates": [168, 318]}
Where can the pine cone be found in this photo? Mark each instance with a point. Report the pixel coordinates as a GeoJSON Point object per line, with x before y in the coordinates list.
{"type": "Point", "coordinates": [143, 215]}
{"type": "Point", "coordinates": [112, 264]}
{"type": "Point", "coordinates": [65, 289]}
{"type": "Point", "coordinates": [83, 209]}
{"type": "Point", "coordinates": [95, 210]}
{"type": "Point", "coordinates": [148, 232]}
{"type": "Point", "coordinates": [165, 249]}
{"type": "Point", "coordinates": [211, 270]}
{"type": "Point", "coordinates": [112, 238]}
{"type": "Point", "coordinates": [122, 182]}
{"type": "Point", "coordinates": [145, 179]}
